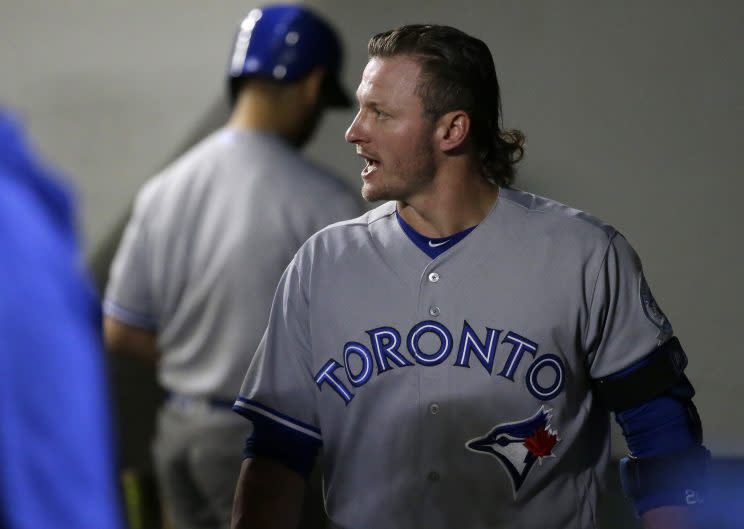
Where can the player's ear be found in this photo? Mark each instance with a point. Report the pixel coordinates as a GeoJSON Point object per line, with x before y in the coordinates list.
{"type": "Point", "coordinates": [452, 129]}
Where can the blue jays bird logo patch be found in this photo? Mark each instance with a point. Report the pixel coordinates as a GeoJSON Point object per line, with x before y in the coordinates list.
{"type": "Point", "coordinates": [518, 445]}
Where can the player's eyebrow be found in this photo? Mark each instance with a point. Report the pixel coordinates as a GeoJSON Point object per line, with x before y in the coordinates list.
{"type": "Point", "coordinates": [371, 104]}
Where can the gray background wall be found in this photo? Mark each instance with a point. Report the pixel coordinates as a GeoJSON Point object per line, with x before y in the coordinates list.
{"type": "Point", "coordinates": [633, 111]}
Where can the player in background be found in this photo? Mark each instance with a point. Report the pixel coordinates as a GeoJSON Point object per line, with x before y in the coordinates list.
{"type": "Point", "coordinates": [57, 466]}
{"type": "Point", "coordinates": [457, 351]}
{"type": "Point", "coordinates": [192, 281]}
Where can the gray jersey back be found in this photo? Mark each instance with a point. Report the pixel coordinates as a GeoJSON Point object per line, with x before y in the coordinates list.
{"type": "Point", "coordinates": [205, 247]}
{"type": "Point", "coordinates": [455, 392]}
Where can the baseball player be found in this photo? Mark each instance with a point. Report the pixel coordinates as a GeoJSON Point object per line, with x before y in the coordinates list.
{"type": "Point", "coordinates": [56, 458]}
{"type": "Point", "coordinates": [457, 350]}
{"type": "Point", "coordinates": [192, 282]}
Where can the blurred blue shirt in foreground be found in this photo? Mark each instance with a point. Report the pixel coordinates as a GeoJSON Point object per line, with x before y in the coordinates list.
{"type": "Point", "coordinates": [57, 466]}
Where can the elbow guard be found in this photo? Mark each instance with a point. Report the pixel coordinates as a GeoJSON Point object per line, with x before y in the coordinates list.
{"type": "Point", "coordinates": [652, 401]}
{"type": "Point", "coordinates": [668, 464]}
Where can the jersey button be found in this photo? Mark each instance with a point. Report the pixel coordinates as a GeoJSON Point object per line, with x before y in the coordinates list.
{"type": "Point", "coordinates": [433, 476]}
{"type": "Point", "coordinates": [433, 277]}
{"type": "Point", "coordinates": [434, 311]}
{"type": "Point", "coordinates": [434, 408]}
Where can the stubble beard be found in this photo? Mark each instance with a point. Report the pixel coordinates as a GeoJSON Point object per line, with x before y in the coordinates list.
{"type": "Point", "coordinates": [408, 180]}
{"type": "Point", "coordinates": [371, 194]}
{"type": "Point", "coordinates": [307, 126]}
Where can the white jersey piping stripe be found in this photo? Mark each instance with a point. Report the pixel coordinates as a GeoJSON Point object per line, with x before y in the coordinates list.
{"type": "Point", "coordinates": [276, 418]}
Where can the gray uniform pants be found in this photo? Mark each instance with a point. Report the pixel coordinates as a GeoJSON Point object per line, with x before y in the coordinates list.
{"type": "Point", "coordinates": [197, 451]}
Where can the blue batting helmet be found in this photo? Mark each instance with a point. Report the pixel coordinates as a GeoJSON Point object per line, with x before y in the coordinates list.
{"type": "Point", "coordinates": [285, 42]}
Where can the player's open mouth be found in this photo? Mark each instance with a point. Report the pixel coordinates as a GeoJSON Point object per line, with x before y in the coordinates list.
{"type": "Point", "coordinates": [370, 167]}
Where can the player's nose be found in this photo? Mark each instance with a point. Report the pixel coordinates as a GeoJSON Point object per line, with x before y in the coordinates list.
{"type": "Point", "coordinates": [355, 133]}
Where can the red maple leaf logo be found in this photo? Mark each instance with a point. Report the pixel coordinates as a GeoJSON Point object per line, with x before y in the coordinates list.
{"type": "Point", "coordinates": [541, 443]}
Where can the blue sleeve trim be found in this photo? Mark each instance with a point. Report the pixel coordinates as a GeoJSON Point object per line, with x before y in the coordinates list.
{"type": "Point", "coordinates": [127, 316]}
{"type": "Point", "coordinates": [250, 408]}
{"type": "Point", "coordinates": [280, 440]}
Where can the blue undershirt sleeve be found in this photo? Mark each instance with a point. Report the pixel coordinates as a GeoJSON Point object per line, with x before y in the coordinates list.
{"type": "Point", "coordinates": [296, 450]}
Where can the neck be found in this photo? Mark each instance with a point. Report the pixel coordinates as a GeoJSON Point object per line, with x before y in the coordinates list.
{"type": "Point", "coordinates": [451, 204]}
{"type": "Point", "coordinates": [258, 110]}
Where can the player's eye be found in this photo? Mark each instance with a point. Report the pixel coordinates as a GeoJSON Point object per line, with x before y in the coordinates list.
{"type": "Point", "coordinates": [379, 113]}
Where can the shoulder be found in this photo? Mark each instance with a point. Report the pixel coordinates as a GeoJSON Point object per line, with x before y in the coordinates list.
{"type": "Point", "coordinates": [36, 205]}
{"type": "Point", "coordinates": [281, 168]}
{"type": "Point", "coordinates": [311, 177]}
{"type": "Point", "coordinates": [554, 218]}
{"type": "Point", "coordinates": [356, 227]}
{"type": "Point", "coordinates": [37, 235]}
{"type": "Point", "coordinates": [180, 175]}
{"type": "Point", "coordinates": [347, 235]}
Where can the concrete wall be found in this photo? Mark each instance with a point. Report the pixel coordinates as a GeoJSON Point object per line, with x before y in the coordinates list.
{"type": "Point", "coordinates": [633, 112]}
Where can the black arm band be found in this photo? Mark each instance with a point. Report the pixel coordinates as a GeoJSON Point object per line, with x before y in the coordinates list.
{"type": "Point", "coordinates": [655, 375]}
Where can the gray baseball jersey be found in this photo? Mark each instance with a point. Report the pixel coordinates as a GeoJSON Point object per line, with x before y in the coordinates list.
{"type": "Point", "coordinates": [456, 392]}
{"type": "Point", "coordinates": [205, 247]}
